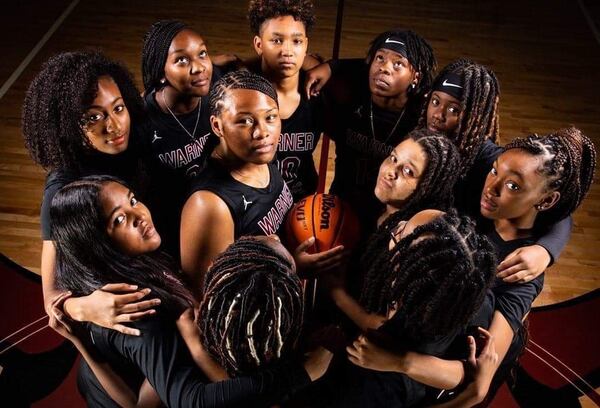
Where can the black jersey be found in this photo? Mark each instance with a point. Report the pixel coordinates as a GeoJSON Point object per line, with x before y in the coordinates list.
{"type": "Point", "coordinates": [255, 211]}
{"type": "Point", "coordinates": [161, 356]}
{"type": "Point", "coordinates": [299, 137]}
{"type": "Point", "coordinates": [364, 136]}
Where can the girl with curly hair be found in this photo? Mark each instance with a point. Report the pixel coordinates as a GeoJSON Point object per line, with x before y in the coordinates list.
{"type": "Point", "coordinates": [80, 117]}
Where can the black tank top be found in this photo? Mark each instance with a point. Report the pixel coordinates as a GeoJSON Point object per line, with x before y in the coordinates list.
{"type": "Point", "coordinates": [299, 137]}
{"type": "Point", "coordinates": [255, 211]}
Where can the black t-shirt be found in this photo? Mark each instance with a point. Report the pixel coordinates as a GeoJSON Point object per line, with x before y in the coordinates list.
{"type": "Point", "coordinates": [364, 136]}
{"type": "Point", "coordinates": [161, 356]}
{"type": "Point", "coordinates": [125, 166]}
{"type": "Point", "coordinates": [299, 137]}
{"type": "Point", "coordinates": [255, 211]}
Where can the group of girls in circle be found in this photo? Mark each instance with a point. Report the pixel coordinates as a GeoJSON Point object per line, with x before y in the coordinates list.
{"type": "Point", "coordinates": [202, 304]}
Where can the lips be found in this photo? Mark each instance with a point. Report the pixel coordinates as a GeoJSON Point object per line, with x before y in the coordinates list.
{"type": "Point", "coordinates": [263, 148]}
{"type": "Point", "coordinates": [287, 64]}
{"type": "Point", "coordinates": [384, 183]}
{"type": "Point", "coordinates": [200, 82]}
{"type": "Point", "coordinates": [434, 127]}
{"type": "Point", "coordinates": [116, 141]}
{"type": "Point", "coordinates": [380, 82]}
{"type": "Point", "coordinates": [487, 204]}
{"type": "Point", "coordinates": [148, 231]}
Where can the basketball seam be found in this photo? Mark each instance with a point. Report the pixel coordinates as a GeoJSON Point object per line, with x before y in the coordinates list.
{"type": "Point", "coordinates": [340, 223]}
{"type": "Point", "coordinates": [314, 230]}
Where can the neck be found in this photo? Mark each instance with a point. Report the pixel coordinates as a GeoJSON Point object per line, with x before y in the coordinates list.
{"type": "Point", "coordinates": [510, 229]}
{"type": "Point", "coordinates": [178, 103]}
{"type": "Point", "coordinates": [392, 104]}
{"type": "Point", "coordinates": [252, 174]}
{"type": "Point", "coordinates": [389, 210]}
{"type": "Point", "coordinates": [283, 85]}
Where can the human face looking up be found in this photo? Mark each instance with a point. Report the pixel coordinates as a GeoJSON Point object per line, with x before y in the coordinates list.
{"type": "Point", "coordinates": [400, 172]}
{"type": "Point", "coordinates": [515, 190]}
{"type": "Point", "coordinates": [281, 44]}
{"type": "Point", "coordinates": [188, 69]}
{"type": "Point", "coordinates": [106, 120]}
{"type": "Point", "coordinates": [249, 126]}
{"type": "Point", "coordinates": [405, 228]}
{"type": "Point", "coordinates": [128, 221]}
{"type": "Point", "coordinates": [391, 74]}
{"type": "Point", "coordinates": [443, 113]}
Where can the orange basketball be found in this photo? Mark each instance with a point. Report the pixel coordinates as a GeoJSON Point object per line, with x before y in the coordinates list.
{"type": "Point", "coordinates": [326, 217]}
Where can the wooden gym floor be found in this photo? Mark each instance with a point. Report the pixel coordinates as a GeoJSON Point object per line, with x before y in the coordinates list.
{"type": "Point", "coordinates": [544, 53]}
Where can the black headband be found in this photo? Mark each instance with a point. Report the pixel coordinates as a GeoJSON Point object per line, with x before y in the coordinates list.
{"type": "Point", "coordinates": [394, 43]}
{"type": "Point", "coordinates": [451, 83]}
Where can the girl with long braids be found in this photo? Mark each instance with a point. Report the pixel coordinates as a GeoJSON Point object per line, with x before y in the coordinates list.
{"type": "Point", "coordinates": [433, 259]}
{"type": "Point", "coordinates": [535, 182]}
{"type": "Point", "coordinates": [103, 234]}
{"type": "Point", "coordinates": [463, 104]}
{"type": "Point", "coordinates": [419, 173]}
{"type": "Point", "coordinates": [81, 116]}
{"type": "Point", "coordinates": [372, 116]}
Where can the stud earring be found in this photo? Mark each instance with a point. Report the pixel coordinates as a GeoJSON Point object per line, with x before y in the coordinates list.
{"type": "Point", "coordinates": [162, 81]}
{"type": "Point", "coordinates": [413, 86]}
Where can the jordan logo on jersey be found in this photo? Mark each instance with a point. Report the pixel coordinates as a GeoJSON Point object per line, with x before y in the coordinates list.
{"type": "Point", "coordinates": [246, 203]}
{"type": "Point", "coordinates": [155, 137]}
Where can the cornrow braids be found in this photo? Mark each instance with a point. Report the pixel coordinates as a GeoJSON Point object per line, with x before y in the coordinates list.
{"type": "Point", "coordinates": [252, 307]}
{"type": "Point", "coordinates": [55, 103]}
{"type": "Point", "coordinates": [420, 55]}
{"type": "Point", "coordinates": [241, 79]}
{"type": "Point", "coordinates": [480, 119]}
{"type": "Point", "coordinates": [568, 163]}
{"type": "Point", "coordinates": [260, 11]}
{"type": "Point", "coordinates": [427, 271]}
{"type": "Point", "coordinates": [155, 50]}
{"type": "Point", "coordinates": [434, 189]}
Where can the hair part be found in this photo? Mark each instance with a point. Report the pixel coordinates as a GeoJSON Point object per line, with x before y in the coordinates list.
{"type": "Point", "coordinates": [568, 163]}
{"type": "Point", "coordinates": [56, 101]}
{"type": "Point", "coordinates": [87, 259]}
{"type": "Point", "coordinates": [241, 79]}
{"type": "Point", "coordinates": [424, 274]}
{"type": "Point", "coordinates": [260, 11]}
{"type": "Point", "coordinates": [252, 307]}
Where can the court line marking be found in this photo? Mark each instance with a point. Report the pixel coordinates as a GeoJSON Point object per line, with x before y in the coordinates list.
{"type": "Point", "coordinates": [589, 20]}
{"type": "Point", "coordinates": [17, 73]}
{"type": "Point", "coordinates": [23, 328]}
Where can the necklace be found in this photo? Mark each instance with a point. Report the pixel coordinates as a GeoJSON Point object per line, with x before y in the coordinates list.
{"type": "Point", "coordinates": [193, 134]}
{"type": "Point", "coordinates": [254, 180]}
{"type": "Point", "coordinates": [393, 129]}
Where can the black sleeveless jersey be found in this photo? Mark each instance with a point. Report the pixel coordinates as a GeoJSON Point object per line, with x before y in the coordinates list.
{"type": "Point", "coordinates": [299, 137]}
{"type": "Point", "coordinates": [255, 211]}
{"type": "Point", "coordinates": [359, 153]}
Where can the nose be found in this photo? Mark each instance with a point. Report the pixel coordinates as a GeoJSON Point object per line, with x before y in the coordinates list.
{"type": "Point", "coordinates": [438, 114]}
{"type": "Point", "coordinates": [112, 124]}
{"type": "Point", "coordinates": [139, 217]}
{"type": "Point", "coordinates": [261, 130]}
{"type": "Point", "coordinates": [287, 49]}
{"type": "Point", "coordinates": [386, 66]}
{"type": "Point", "coordinates": [197, 67]}
{"type": "Point", "coordinates": [491, 187]}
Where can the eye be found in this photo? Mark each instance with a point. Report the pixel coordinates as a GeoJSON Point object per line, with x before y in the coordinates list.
{"type": "Point", "coordinates": [513, 186]}
{"type": "Point", "coordinates": [379, 57]}
{"type": "Point", "coordinates": [298, 41]}
{"type": "Point", "coordinates": [408, 171]}
{"type": "Point", "coordinates": [119, 219]}
{"type": "Point", "coordinates": [181, 60]}
{"type": "Point", "coordinates": [398, 64]}
{"type": "Point", "coordinates": [454, 110]}
{"type": "Point", "coordinates": [435, 101]}
{"type": "Point", "coordinates": [119, 108]}
{"type": "Point", "coordinates": [203, 54]}
{"type": "Point", "coordinates": [133, 201]}
{"type": "Point", "coordinates": [271, 117]}
{"type": "Point", "coordinates": [246, 121]}
{"type": "Point", "coordinates": [393, 158]}
{"type": "Point", "coordinates": [94, 117]}
{"type": "Point", "coordinates": [277, 41]}
{"type": "Point", "coordinates": [493, 171]}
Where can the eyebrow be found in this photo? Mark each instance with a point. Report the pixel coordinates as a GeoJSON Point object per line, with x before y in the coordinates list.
{"type": "Point", "coordinates": [409, 161]}
{"type": "Point", "coordinates": [100, 107]}
{"type": "Point", "coordinates": [515, 172]}
{"type": "Point", "coordinates": [118, 207]}
{"type": "Point", "coordinates": [251, 113]}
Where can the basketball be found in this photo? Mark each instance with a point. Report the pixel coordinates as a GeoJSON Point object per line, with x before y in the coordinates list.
{"type": "Point", "coordinates": [326, 217]}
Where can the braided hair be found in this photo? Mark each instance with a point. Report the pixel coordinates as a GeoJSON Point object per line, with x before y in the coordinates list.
{"type": "Point", "coordinates": [434, 189]}
{"type": "Point", "coordinates": [260, 11]}
{"type": "Point", "coordinates": [155, 50]}
{"type": "Point", "coordinates": [241, 79]}
{"type": "Point", "coordinates": [479, 105]}
{"type": "Point", "coordinates": [418, 52]}
{"type": "Point", "coordinates": [55, 103]}
{"type": "Point", "coordinates": [251, 312]}
{"type": "Point", "coordinates": [427, 271]}
{"type": "Point", "coordinates": [87, 258]}
{"type": "Point", "coordinates": [568, 163]}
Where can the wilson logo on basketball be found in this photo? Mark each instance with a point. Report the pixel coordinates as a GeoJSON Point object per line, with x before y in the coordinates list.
{"type": "Point", "coordinates": [325, 217]}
